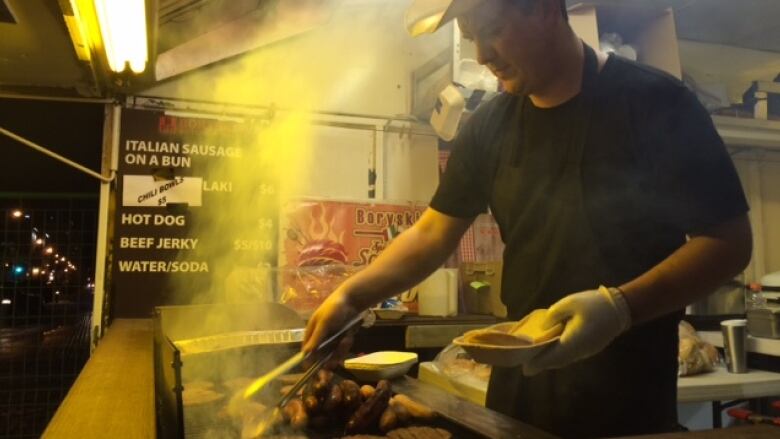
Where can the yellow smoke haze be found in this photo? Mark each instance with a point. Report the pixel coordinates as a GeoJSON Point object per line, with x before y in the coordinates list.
{"type": "Point", "coordinates": [356, 58]}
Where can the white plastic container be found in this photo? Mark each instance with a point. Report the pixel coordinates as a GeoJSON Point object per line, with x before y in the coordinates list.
{"type": "Point", "coordinates": [447, 112]}
{"type": "Point", "coordinates": [383, 365]}
{"type": "Point", "coordinates": [438, 294]}
{"type": "Point", "coordinates": [770, 286]}
{"type": "Point", "coordinates": [771, 280]}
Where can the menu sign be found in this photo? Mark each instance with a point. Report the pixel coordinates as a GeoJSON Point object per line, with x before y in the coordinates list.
{"type": "Point", "coordinates": [193, 209]}
{"type": "Point", "coordinates": [145, 190]}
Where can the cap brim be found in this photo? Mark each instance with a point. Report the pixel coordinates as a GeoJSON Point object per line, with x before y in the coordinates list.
{"type": "Point", "coordinates": [427, 17]}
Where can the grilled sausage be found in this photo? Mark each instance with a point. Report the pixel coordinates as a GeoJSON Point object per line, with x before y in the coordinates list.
{"type": "Point", "coordinates": [367, 391]}
{"type": "Point", "coordinates": [370, 411]}
{"type": "Point", "coordinates": [350, 394]}
{"type": "Point", "coordinates": [308, 390]}
{"type": "Point", "coordinates": [415, 409]}
{"type": "Point", "coordinates": [300, 420]}
{"type": "Point", "coordinates": [312, 404]}
{"type": "Point", "coordinates": [320, 422]}
{"type": "Point", "coordinates": [403, 415]}
{"type": "Point", "coordinates": [334, 399]}
{"type": "Point", "coordinates": [388, 420]}
{"type": "Point", "coordinates": [322, 383]}
{"type": "Point", "coordinates": [292, 409]}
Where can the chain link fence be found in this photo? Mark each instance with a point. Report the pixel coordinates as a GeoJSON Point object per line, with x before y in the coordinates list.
{"type": "Point", "coordinates": [47, 262]}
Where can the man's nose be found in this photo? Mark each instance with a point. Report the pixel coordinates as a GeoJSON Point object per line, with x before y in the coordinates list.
{"type": "Point", "coordinates": [485, 53]}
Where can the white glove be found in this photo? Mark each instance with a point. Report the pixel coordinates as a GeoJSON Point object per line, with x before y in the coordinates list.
{"type": "Point", "coordinates": [592, 319]}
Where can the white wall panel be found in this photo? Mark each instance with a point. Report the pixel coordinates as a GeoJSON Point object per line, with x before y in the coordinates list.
{"type": "Point", "coordinates": [749, 175]}
{"type": "Point", "coordinates": [411, 167]}
{"type": "Point", "coordinates": [337, 165]}
{"type": "Point", "coordinates": [770, 195]}
{"type": "Point", "coordinates": [760, 175]}
{"type": "Point", "coordinates": [339, 159]}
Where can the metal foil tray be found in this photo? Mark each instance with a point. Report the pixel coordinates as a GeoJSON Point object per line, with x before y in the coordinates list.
{"type": "Point", "coordinates": [240, 339]}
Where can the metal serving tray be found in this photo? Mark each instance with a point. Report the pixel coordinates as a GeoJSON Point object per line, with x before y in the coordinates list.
{"type": "Point", "coordinates": [238, 339]}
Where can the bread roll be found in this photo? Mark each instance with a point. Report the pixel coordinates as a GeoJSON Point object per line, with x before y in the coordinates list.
{"type": "Point", "coordinates": [530, 329]}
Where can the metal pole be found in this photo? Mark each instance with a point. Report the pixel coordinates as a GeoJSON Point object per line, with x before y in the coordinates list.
{"type": "Point", "coordinates": [110, 154]}
{"type": "Point", "coordinates": [56, 98]}
{"type": "Point", "coordinates": [55, 156]}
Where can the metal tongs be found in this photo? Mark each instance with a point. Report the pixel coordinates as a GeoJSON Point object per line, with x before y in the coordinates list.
{"type": "Point", "coordinates": [324, 352]}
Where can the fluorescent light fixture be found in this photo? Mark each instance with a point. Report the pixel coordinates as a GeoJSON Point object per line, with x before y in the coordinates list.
{"type": "Point", "coordinates": [123, 28]}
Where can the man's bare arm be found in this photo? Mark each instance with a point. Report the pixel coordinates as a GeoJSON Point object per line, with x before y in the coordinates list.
{"type": "Point", "coordinates": [413, 255]}
{"type": "Point", "coordinates": [409, 259]}
{"type": "Point", "coordinates": [705, 262]}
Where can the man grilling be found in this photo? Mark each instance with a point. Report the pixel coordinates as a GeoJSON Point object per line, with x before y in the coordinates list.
{"type": "Point", "coordinates": [600, 172]}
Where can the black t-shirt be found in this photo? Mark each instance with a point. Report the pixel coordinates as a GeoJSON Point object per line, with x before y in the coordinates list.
{"type": "Point", "coordinates": [654, 168]}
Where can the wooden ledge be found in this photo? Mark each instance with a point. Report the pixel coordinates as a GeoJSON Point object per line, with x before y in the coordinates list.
{"type": "Point", "coordinates": [113, 395]}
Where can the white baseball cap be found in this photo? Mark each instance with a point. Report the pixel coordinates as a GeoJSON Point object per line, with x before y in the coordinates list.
{"type": "Point", "coordinates": [427, 16]}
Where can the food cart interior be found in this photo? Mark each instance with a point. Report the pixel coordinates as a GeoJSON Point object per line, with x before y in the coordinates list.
{"type": "Point", "coordinates": [193, 199]}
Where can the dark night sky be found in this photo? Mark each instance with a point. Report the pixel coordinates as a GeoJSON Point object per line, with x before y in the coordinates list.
{"type": "Point", "coordinates": [74, 130]}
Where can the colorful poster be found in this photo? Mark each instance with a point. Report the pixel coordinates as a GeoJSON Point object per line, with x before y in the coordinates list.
{"type": "Point", "coordinates": [323, 242]}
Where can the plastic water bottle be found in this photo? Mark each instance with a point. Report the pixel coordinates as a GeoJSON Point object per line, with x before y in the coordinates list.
{"type": "Point", "coordinates": [755, 299]}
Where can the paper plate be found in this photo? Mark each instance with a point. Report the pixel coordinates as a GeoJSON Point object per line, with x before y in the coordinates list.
{"type": "Point", "coordinates": [503, 356]}
{"type": "Point", "coordinates": [381, 365]}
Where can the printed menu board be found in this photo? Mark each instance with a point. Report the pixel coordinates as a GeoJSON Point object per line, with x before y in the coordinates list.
{"type": "Point", "coordinates": [196, 212]}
